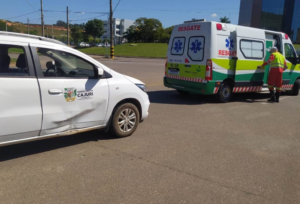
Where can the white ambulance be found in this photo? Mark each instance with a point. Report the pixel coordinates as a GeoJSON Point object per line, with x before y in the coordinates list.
{"type": "Point", "coordinates": [222, 59]}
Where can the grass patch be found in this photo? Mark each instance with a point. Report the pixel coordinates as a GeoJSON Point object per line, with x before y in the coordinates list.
{"type": "Point", "coordinates": [13, 60]}
{"type": "Point", "coordinates": [15, 50]}
{"type": "Point", "coordinates": [151, 50]}
{"type": "Point", "coordinates": [297, 47]}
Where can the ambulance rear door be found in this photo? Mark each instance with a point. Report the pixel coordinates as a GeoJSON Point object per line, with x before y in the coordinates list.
{"type": "Point", "coordinates": [251, 54]}
{"type": "Point", "coordinates": [188, 53]}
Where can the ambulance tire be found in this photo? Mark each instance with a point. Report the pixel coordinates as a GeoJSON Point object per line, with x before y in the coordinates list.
{"type": "Point", "coordinates": [119, 130]}
{"type": "Point", "coordinates": [225, 93]}
{"type": "Point", "coordinates": [296, 87]}
{"type": "Point", "coordinates": [183, 92]}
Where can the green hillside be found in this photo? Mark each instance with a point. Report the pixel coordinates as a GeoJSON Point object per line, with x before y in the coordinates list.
{"type": "Point", "coordinates": [33, 29]}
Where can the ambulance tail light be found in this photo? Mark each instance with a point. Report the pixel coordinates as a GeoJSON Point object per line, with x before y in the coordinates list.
{"type": "Point", "coordinates": [166, 66]}
{"type": "Point", "coordinates": [208, 74]}
{"type": "Point", "coordinates": [219, 26]}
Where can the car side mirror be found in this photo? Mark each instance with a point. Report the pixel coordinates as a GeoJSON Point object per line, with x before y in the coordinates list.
{"type": "Point", "coordinates": [100, 72]}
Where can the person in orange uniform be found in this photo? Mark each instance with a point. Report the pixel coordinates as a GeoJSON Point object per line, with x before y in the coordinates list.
{"type": "Point", "coordinates": [277, 66]}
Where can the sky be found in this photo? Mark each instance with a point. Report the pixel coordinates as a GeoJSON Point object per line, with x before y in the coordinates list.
{"type": "Point", "coordinates": [169, 12]}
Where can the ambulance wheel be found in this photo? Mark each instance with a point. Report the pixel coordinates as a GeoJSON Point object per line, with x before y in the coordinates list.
{"type": "Point", "coordinates": [296, 87]}
{"type": "Point", "coordinates": [225, 93]}
{"type": "Point", "coordinates": [125, 120]}
{"type": "Point", "coordinates": [183, 92]}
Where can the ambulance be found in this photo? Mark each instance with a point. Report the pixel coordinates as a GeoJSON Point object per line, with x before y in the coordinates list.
{"type": "Point", "coordinates": [222, 59]}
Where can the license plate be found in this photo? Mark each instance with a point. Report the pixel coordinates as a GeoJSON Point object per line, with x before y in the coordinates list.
{"type": "Point", "coordinates": [174, 72]}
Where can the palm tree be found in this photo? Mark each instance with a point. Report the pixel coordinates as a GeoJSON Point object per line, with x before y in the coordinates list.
{"type": "Point", "coordinates": [225, 20]}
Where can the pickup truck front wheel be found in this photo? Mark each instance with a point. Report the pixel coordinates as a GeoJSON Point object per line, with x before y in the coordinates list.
{"type": "Point", "coordinates": [125, 120]}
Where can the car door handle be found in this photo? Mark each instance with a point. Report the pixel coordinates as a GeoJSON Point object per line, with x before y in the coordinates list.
{"type": "Point", "coordinates": [55, 91]}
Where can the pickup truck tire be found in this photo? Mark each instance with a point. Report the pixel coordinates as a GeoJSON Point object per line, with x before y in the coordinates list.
{"type": "Point", "coordinates": [125, 120]}
{"type": "Point", "coordinates": [296, 87]}
{"type": "Point", "coordinates": [183, 92]}
{"type": "Point", "coordinates": [225, 93]}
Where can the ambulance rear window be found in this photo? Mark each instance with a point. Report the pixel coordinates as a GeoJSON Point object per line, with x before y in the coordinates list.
{"type": "Point", "coordinates": [196, 48]}
{"type": "Point", "coordinates": [178, 46]}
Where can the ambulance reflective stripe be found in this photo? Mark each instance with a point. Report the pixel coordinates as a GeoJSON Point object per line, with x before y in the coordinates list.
{"type": "Point", "coordinates": [216, 89]}
{"type": "Point", "coordinates": [288, 86]}
{"type": "Point", "coordinates": [247, 89]}
{"type": "Point", "coordinates": [199, 80]}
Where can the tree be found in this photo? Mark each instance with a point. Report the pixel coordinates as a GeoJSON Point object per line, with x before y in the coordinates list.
{"type": "Point", "coordinates": [168, 32]}
{"type": "Point", "coordinates": [76, 34]}
{"type": "Point", "coordinates": [146, 30]}
{"type": "Point", "coordinates": [225, 20]}
{"type": "Point", "coordinates": [61, 23]}
{"type": "Point", "coordinates": [132, 34]}
{"type": "Point", "coordinates": [94, 28]}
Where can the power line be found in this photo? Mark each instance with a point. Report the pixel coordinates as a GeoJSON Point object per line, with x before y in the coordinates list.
{"type": "Point", "coordinates": [117, 6]}
{"type": "Point", "coordinates": [30, 4]}
{"type": "Point", "coordinates": [88, 18]}
{"type": "Point", "coordinates": [83, 12]}
{"type": "Point", "coordinates": [22, 15]}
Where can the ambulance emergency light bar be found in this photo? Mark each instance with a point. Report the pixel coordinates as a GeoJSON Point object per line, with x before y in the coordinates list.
{"type": "Point", "coordinates": [196, 20]}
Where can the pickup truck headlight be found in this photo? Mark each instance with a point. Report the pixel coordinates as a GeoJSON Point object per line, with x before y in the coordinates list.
{"type": "Point", "coordinates": [141, 86]}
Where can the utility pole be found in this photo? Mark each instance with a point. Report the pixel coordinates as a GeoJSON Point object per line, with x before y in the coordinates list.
{"type": "Point", "coordinates": [68, 37]}
{"type": "Point", "coordinates": [42, 18]}
{"type": "Point", "coordinates": [112, 54]}
{"type": "Point", "coordinates": [27, 25]}
{"type": "Point", "coordinates": [52, 32]}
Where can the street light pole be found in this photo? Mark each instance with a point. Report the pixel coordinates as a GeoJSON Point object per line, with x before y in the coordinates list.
{"type": "Point", "coordinates": [112, 54]}
{"type": "Point", "coordinates": [27, 25]}
{"type": "Point", "coordinates": [42, 19]}
{"type": "Point", "coordinates": [68, 37]}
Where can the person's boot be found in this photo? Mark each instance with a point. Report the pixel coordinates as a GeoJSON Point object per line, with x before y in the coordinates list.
{"type": "Point", "coordinates": [277, 97]}
{"type": "Point", "coordinates": [272, 99]}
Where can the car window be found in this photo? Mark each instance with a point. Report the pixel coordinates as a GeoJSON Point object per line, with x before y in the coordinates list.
{"type": "Point", "coordinates": [252, 49]}
{"type": "Point", "coordinates": [13, 61]}
{"type": "Point", "coordinates": [289, 51]}
{"type": "Point", "coordinates": [56, 63]}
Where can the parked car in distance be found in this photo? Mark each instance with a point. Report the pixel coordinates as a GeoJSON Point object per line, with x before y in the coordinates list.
{"type": "Point", "coordinates": [48, 89]}
{"type": "Point", "coordinates": [99, 45]}
{"type": "Point", "coordinates": [82, 44]}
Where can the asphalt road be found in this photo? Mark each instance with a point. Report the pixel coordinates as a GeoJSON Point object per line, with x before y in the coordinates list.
{"type": "Point", "coordinates": [190, 150]}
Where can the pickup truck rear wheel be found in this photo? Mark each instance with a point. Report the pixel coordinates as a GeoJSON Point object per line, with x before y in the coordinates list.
{"type": "Point", "coordinates": [296, 87]}
{"type": "Point", "coordinates": [125, 120]}
{"type": "Point", "coordinates": [225, 93]}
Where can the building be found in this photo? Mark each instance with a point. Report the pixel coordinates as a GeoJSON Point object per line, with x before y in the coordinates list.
{"type": "Point", "coordinates": [277, 15]}
{"type": "Point", "coordinates": [120, 26]}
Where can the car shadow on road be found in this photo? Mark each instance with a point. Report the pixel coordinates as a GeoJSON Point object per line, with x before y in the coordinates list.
{"type": "Point", "coordinates": [173, 97]}
{"type": "Point", "coordinates": [35, 147]}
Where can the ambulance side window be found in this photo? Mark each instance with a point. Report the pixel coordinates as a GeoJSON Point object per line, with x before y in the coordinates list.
{"type": "Point", "coordinates": [252, 49]}
{"type": "Point", "coordinates": [196, 48]}
{"type": "Point", "coordinates": [178, 46]}
{"type": "Point", "coordinates": [289, 51]}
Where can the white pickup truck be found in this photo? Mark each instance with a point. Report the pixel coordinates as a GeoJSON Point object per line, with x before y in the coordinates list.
{"type": "Point", "coordinates": [48, 89]}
